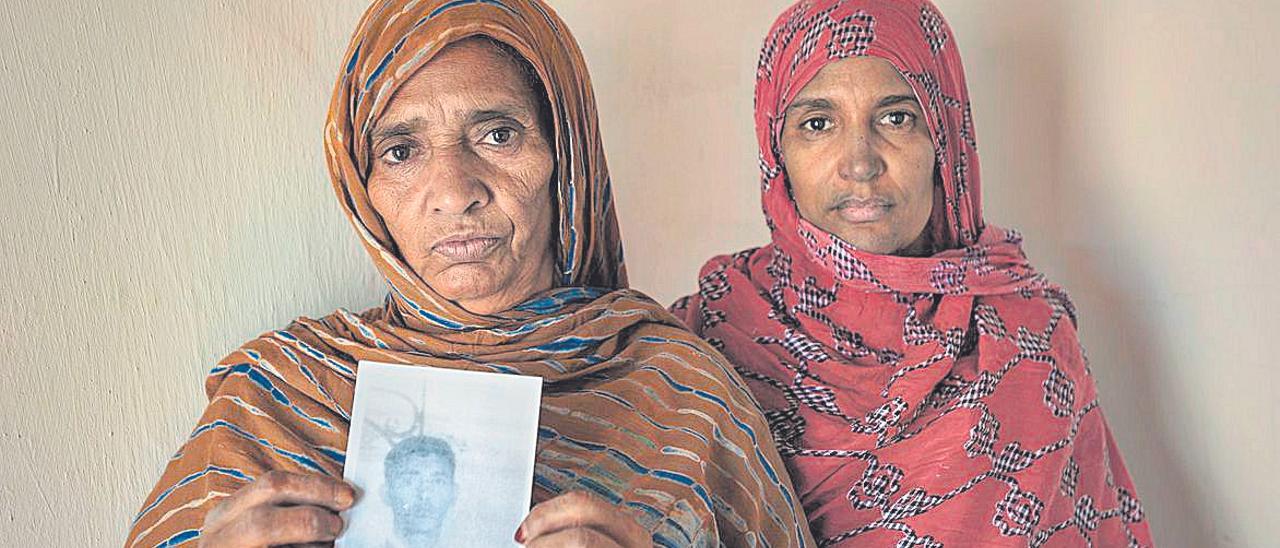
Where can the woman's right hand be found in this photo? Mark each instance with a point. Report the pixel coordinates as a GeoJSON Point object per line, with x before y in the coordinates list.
{"type": "Point", "coordinates": [279, 508]}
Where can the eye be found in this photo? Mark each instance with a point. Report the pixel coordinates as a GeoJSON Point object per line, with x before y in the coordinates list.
{"type": "Point", "coordinates": [816, 125]}
{"type": "Point", "coordinates": [899, 119]}
{"type": "Point", "coordinates": [499, 137]}
{"type": "Point", "coordinates": [397, 154]}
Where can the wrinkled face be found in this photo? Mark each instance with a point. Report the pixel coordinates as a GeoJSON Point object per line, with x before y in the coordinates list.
{"type": "Point", "coordinates": [461, 176]}
{"type": "Point", "coordinates": [859, 157]}
{"type": "Point", "coordinates": [420, 493]}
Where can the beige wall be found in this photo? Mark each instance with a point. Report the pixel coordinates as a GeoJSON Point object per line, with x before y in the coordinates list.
{"type": "Point", "coordinates": [168, 200]}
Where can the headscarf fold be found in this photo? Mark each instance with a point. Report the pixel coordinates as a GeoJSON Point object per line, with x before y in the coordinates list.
{"type": "Point", "coordinates": [394, 40]}
{"type": "Point", "coordinates": [927, 401]}
{"type": "Point", "coordinates": [635, 409]}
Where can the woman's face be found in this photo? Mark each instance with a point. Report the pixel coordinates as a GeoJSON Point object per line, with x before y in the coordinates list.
{"type": "Point", "coordinates": [859, 157]}
{"type": "Point", "coordinates": [461, 174]}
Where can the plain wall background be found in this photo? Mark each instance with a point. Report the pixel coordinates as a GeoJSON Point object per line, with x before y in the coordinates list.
{"type": "Point", "coordinates": [166, 199]}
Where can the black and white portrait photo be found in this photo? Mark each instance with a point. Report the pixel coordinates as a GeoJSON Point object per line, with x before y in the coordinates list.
{"type": "Point", "coordinates": [442, 457]}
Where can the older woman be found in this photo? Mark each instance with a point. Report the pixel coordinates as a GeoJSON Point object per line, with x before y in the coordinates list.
{"type": "Point", "coordinates": [463, 146]}
{"type": "Point", "coordinates": [924, 383]}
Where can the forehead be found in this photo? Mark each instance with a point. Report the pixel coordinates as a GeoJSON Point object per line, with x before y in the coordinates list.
{"type": "Point", "coordinates": [422, 462]}
{"type": "Point", "coordinates": [472, 72]}
{"type": "Point", "coordinates": [870, 77]}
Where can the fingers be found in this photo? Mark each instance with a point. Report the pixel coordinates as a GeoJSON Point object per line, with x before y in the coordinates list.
{"type": "Point", "coordinates": [574, 538]}
{"type": "Point", "coordinates": [280, 488]}
{"type": "Point", "coordinates": [280, 508]}
{"type": "Point", "coordinates": [276, 525]}
{"type": "Point", "coordinates": [284, 488]}
{"type": "Point", "coordinates": [579, 511]}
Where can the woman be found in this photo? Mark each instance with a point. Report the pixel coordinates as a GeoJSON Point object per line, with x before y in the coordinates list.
{"type": "Point", "coordinates": [924, 383]}
{"type": "Point", "coordinates": [463, 146]}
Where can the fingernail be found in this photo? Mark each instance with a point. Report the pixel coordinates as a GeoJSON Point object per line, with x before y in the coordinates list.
{"type": "Point", "coordinates": [348, 495]}
{"type": "Point", "coordinates": [520, 535]}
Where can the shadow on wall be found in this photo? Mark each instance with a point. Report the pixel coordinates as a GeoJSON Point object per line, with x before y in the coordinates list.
{"type": "Point", "coordinates": [1033, 166]}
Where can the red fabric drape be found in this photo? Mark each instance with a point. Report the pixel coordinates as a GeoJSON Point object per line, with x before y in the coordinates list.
{"type": "Point", "coordinates": [935, 401]}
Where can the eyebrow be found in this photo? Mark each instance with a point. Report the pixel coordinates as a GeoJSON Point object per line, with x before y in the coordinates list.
{"type": "Point", "coordinates": [816, 103]}
{"type": "Point", "coordinates": [895, 99]}
{"type": "Point", "coordinates": [822, 103]}
{"type": "Point", "coordinates": [500, 111]}
{"type": "Point", "coordinates": [417, 123]}
{"type": "Point", "coordinates": [405, 127]}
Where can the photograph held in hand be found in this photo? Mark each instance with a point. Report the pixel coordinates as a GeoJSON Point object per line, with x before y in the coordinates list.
{"type": "Point", "coordinates": [443, 457]}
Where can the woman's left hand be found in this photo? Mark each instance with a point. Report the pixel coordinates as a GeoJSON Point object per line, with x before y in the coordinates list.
{"type": "Point", "coordinates": [579, 519]}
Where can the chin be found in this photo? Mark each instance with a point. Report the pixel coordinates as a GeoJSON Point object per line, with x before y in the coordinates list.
{"type": "Point", "coordinates": [867, 241]}
{"type": "Point", "coordinates": [466, 282]}
{"type": "Point", "coordinates": [876, 249]}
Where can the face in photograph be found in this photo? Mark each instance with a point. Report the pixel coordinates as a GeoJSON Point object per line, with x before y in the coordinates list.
{"type": "Point", "coordinates": [419, 488]}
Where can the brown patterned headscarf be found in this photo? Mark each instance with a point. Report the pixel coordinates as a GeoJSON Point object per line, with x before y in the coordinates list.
{"type": "Point", "coordinates": [635, 409]}
{"type": "Point", "coordinates": [394, 40]}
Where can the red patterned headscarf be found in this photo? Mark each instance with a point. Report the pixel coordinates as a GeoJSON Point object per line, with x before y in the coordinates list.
{"type": "Point", "coordinates": [932, 401]}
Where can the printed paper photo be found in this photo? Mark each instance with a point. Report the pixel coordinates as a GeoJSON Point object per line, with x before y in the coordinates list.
{"type": "Point", "coordinates": [442, 457]}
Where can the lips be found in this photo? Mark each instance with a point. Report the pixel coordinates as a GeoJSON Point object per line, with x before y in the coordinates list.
{"type": "Point", "coordinates": [467, 247]}
{"type": "Point", "coordinates": [864, 211]}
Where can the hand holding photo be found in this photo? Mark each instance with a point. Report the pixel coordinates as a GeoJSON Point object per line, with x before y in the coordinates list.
{"type": "Point", "coordinates": [442, 457]}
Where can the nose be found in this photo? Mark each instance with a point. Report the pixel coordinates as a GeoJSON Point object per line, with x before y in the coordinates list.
{"type": "Point", "coordinates": [455, 183]}
{"type": "Point", "coordinates": [862, 161]}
